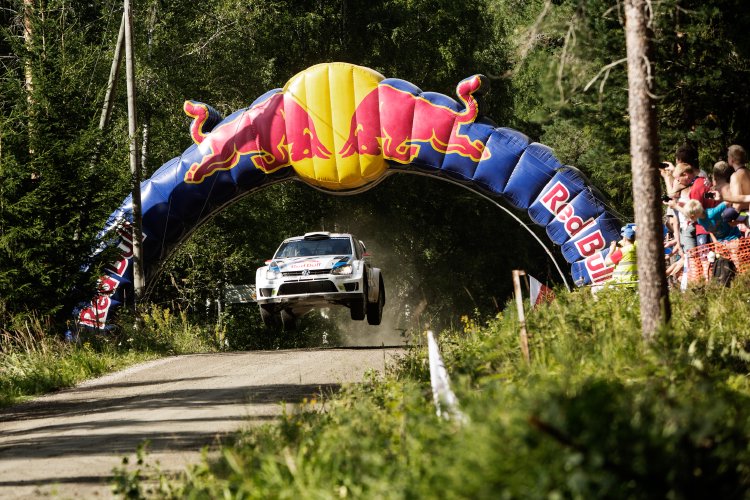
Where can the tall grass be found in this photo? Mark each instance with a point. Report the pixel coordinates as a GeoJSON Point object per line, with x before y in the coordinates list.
{"type": "Point", "coordinates": [34, 361]}
{"type": "Point", "coordinates": [597, 414]}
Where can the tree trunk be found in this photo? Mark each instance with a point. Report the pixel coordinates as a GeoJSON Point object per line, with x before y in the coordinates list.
{"type": "Point", "coordinates": [644, 150]}
{"type": "Point", "coordinates": [28, 40]}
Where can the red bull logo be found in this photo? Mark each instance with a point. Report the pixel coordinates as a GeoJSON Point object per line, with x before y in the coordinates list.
{"type": "Point", "coordinates": [397, 124]}
{"type": "Point", "coordinates": [556, 200]}
{"type": "Point", "coordinates": [597, 269]}
{"type": "Point", "coordinates": [275, 133]}
{"type": "Point", "coordinates": [95, 315]}
{"type": "Point", "coordinates": [335, 107]}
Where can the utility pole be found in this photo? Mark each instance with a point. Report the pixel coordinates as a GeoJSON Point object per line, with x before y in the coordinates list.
{"type": "Point", "coordinates": [135, 169]}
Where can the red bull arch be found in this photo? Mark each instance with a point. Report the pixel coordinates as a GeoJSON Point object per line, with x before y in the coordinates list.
{"type": "Point", "coordinates": [342, 129]}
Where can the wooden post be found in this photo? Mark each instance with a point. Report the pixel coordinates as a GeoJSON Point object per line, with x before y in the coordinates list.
{"type": "Point", "coordinates": [521, 317]}
{"type": "Point", "coordinates": [135, 169]}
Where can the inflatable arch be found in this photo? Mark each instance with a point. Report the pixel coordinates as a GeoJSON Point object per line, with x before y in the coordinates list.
{"type": "Point", "coordinates": [342, 128]}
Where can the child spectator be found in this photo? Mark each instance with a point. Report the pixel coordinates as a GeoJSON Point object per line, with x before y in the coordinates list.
{"type": "Point", "coordinates": [720, 220]}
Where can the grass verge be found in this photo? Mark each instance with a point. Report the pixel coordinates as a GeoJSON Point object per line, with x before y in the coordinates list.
{"type": "Point", "coordinates": [32, 362]}
{"type": "Point", "coordinates": [597, 414]}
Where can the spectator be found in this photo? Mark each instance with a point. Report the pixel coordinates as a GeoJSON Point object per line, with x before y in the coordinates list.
{"type": "Point", "coordinates": [624, 257]}
{"type": "Point", "coordinates": [688, 154]}
{"type": "Point", "coordinates": [672, 259]}
{"type": "Point", "coordinates": [721, 219]}
{"type": "Point", "coordinates": [685, 154]}
{"type": "Point", "coordinates": [740, 181]}
{"type": "Point", "coordinates": [696, 189]}
{"type": "Point", "coordinates": [722, 174]}
{"type": "Point", "coordinates": [681, 226]}
{"type": "Point", "coordinates": [742, 218]}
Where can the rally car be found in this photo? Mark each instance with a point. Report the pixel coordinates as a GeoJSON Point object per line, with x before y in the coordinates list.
{"type": "Point", "coordinates": [317, 270]}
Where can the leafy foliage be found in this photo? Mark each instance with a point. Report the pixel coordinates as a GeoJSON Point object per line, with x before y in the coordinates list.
{"type": "Point", "coordinates": [574, 80]}
{"type": "Point", "coordinates": [52, 202]}
{"type": "Point", "coordinates": [555, 76]}
{"type": "Point", "coordinates": [597, 413]}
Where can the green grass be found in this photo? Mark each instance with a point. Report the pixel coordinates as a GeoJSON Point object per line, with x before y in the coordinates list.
{"type": "Point", "coordinates": [34, 362]}
{"type": "Point", "coordinates": [597, 414]}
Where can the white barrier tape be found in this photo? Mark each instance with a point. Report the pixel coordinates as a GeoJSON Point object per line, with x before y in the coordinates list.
{"type": "Point", "coordinates": [441, 388]}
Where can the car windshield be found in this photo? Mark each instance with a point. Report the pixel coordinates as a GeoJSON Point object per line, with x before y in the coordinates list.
{"type": "Point", "coordinates": [302, 248]}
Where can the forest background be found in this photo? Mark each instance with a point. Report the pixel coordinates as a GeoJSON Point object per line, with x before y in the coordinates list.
{"type": "Point", "coordinates": [557, 74]}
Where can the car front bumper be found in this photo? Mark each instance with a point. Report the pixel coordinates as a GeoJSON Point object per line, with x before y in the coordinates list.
{"type": "Point", "coordinates": [321, 289]}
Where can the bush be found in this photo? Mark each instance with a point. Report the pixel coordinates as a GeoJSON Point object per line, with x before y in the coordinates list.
{"type": "Point", "coordinates": [597, 413]}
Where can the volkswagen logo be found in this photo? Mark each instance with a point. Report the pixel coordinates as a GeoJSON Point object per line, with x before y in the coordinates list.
{"type": "Point", "coordinates": [305, 272]}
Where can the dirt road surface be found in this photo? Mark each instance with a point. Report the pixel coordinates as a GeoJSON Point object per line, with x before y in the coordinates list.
{"type": "Point", "coordinates": [66, 445]}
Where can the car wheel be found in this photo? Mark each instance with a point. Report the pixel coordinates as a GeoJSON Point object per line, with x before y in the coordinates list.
{"type": "Point", "coordinates": [357, 309]}
{"type": "Point", "coordinates": [267, 316]}
{"type": "Point", "coordinates": [288, 320]}
{"type": "Point", "coordinates": [375, 309]}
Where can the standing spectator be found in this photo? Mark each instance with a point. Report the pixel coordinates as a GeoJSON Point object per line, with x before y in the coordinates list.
{"type": "Point", "coordinates": [697, 188]}
{"type": "Point", "coordinates": [740, 181]}
{"type": "Point", "coordinates": [722, 175]}
{"type": "Point", "coordinates": [624, 257]}
{"type": "Point", "coordinates": [685, 154]}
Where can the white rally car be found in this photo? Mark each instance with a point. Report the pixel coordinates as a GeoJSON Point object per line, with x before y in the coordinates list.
{"type": "Point", "coordinates": [317, 270]}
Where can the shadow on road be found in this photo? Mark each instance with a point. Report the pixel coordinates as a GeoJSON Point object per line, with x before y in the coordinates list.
{"type": "Point", "coordinates": [87, 435]}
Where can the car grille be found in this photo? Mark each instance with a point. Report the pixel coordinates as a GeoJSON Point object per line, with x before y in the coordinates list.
{"type": "Point", "coordinates": [309, 272]}
{"type": "Point", "coordinates": [323, 286]}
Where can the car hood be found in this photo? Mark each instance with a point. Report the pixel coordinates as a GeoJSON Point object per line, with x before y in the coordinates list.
{"type": "Point", "coordinates": [311, 263]}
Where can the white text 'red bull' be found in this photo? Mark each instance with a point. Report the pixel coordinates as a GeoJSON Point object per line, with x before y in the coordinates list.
{"type": "Point", "coordinates": [557, 201]}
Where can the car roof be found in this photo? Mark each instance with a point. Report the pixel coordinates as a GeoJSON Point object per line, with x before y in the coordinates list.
{"type": "Point", "coordinates": [320, 235]}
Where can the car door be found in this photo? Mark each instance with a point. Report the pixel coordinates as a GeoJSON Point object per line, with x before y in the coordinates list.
{"type": "Point", "coordinates": [367, 271]}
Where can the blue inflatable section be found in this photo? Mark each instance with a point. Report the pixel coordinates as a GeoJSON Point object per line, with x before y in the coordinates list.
{"type": "Point", "coordinates": [524, 174]}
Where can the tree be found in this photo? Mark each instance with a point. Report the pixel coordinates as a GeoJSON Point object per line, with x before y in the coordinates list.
{"type": "Point", "coordinates": [48, 222]}
{"type": "Point", "coordinates": [644, 149]}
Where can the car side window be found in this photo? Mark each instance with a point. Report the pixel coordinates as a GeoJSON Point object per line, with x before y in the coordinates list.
{"type": "Point", "coordinates": [360, 250]}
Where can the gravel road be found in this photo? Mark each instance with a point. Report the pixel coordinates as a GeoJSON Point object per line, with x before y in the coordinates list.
{"type": "Point", "coordinates": [67, 444]}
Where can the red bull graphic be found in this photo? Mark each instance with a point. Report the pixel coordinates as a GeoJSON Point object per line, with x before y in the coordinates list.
{"type": "Point", "coordinates": [274, 134]}
{"type": "Point", "coordinates": [397, 123]}
{"type": "Point", "coordinates": [95, 314]}
{"type": "Point", "coordinates": [597, 269]}
{"type": "Point", "coordinates": [556, 200]}
{"type": "Point", "coordinates": [342, 128]}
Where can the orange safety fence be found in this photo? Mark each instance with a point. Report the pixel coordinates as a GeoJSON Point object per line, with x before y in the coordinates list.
{"type": "Point", "coordinates": [700, 267]}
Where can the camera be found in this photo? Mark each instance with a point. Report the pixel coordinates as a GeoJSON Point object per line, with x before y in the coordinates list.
{"type": "Point", "coordinates": [709, 196]}
{"type": "Point", "coordinates": [666, 198]}
{"type": "Point", "coordinates": [663, 165]}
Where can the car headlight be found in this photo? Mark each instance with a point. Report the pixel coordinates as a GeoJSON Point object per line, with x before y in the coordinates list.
{"type": "Point", "coordinates": [272, 273]}
{"type": "Point", "coordinates": [347, 269]}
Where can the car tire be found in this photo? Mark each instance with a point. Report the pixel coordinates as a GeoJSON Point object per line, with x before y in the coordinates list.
{"type": "Point", "coordinates": [357, 309]}
{"type": "Point", "coordinates": [288, 320]}
{"type": "Point", "coordinates": [267, 316]}
{"type": "Point", "coordinates": [375, 309]}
